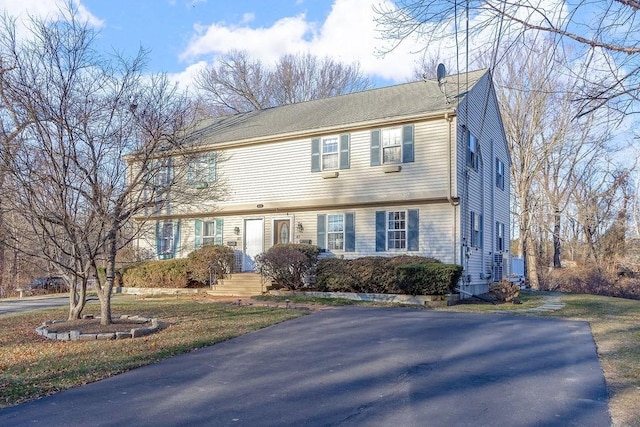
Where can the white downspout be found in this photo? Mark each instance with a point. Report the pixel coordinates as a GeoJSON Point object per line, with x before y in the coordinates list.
{"type": "Point", "coordinates": [452, 202]}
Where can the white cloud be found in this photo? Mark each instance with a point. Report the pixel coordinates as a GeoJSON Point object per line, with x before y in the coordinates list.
{"type": "Point", "coordinates": [347, 34]}
{"type": "Point", "coordinates": [23, 10]}
{"type": "Point", "coordinates": [186, 78]}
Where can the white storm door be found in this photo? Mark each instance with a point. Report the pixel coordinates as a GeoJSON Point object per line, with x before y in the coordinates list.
{"type": "Point", "coordinates": [253, 242]}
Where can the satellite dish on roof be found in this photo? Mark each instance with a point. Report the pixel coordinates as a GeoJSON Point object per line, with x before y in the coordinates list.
{"type": "Point", "coordinates": [441, 73]}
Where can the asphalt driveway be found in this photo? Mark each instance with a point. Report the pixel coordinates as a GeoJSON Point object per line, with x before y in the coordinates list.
{"type": "Point", "coordinates": [357, 366]}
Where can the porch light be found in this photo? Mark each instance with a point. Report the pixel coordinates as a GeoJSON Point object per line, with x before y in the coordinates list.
{"type": "Point", "coordinates": [299, 227]}
{"type": "Point", "coordinates": [236, 230]}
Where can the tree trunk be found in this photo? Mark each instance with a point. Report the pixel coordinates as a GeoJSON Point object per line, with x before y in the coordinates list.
{"type": "Point", "coordinates": [556, 240]}
{"type": "Point", "coordinates": [77, 299]}
{"type": "Point", "coordinates": [531, 263]}
{"type": "Point", "coordinates": [104, 292]}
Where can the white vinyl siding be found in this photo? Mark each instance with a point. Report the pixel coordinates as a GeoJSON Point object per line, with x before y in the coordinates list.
{"type": "Point", "coordinates": [284, 178]}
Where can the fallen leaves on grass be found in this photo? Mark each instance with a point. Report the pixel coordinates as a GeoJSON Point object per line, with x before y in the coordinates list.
{"type": "Point", "coordinates": [32, 366]}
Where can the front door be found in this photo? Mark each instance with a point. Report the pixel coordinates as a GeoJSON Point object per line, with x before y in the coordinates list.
{"type": "Point", "coordinates": [253, 243]}
{"type": "Point", "coordinates": [281, 231]}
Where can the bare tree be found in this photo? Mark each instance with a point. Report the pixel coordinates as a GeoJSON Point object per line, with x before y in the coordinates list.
{"type": "Point", "coordinates": [101, 143]}
{"type": "Point", "coordinates": [236, 83]}
{"type": "Point", "coordinates": [604, 33]}
{"type": "Point", "coordinates": [599, 214]}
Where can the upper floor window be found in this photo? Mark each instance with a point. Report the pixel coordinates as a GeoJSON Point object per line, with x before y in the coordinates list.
{"type": "Point", "coordinates": [476, 230]}
{"type": "Point", "coordinates": [499, 174]}
{"type": "Point", "coordinates": [336, 232]}
{"type": "Point", "coordinates": [473, 151]}
{"type": "Point", "coordinates": [392, 145]}
{"type": "Point", "coordinates": [500, 236]}
{"type": "Point", "coordinates": [397, 230]}
{"type": "Point", "coordinates": [167, 239]}
{"type": "Point", "coordinates": [331, 152]}
{"type": "Point", "coordinates": [202, 169]}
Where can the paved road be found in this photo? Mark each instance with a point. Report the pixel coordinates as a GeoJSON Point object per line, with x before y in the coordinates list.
{"type": "Point", "coordinates": [31, 303]}
{"type": "Point", "coordinates": [357, 366]}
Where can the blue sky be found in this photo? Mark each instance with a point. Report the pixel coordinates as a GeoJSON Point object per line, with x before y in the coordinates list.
{"type": "Point", "coordinates": [186, 35]}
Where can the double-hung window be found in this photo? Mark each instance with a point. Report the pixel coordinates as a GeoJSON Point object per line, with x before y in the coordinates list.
{"type": "Point", "coordinates": [336, 232]}
{"type": "Point", "coordinates": [397, 230]}
{"type": "Point", "coordinates": [499, 174]}
{"type": "Point", "coordinates": [500, 237]}
{"type": "Point", "coordinates": [476, 230]}
{"type": "Point", "coordinates": [473, 150]}
{"type": "Point", "coordinates": [158, 181]}
{"type": "Point", "coordinates": [167, 239]}
{"type": "Point", "coordinates": [208, 232]}
{"type": "Point", "coordinates": [330, 153]}
{"type": "Point", "coordinates": [202, 170]}
{"type": "Point", "coordinates": [392, 145]}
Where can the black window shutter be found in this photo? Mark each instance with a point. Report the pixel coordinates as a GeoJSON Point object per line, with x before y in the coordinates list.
{"type": "Point", "coordinates": [344, 151]}
{"type": "Point", "coordinates": [350, 232]}
{"type": "Point", "coordinates": [381, 231]}
{"type": "Point", "coordinates": [315, 155]}
{"type": "Point", "coordinates": [407, 143]}
{"type": "Point", "coordinates": [321, 231]}
{"type": "Point", "coordinates": [413, 230]}
{"type": "Point", "coordinates": [375, 147]}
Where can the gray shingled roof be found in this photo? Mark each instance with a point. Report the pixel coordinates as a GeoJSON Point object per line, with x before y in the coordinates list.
{"type": "Point", "coordinates": [360, 107]}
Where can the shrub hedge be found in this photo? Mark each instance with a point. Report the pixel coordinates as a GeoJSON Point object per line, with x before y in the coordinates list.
{"type": "Point", "coordinates": [192, 271]}
{"type": "Point", "coordinates": [428, 279]}
{"type": "Point", "coordinates": [169, 273]}
{"type": "Point", "coordinates": [288, 265]}
{"type": "Point", "coordinates": [387, 275]}
{"type": "Point", "coordinates": [212, 260]}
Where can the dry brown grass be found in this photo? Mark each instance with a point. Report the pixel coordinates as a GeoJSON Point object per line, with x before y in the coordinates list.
{"type": "Point", "coordinates": [615, 325]}
{"type": "Point", "coordinates": [32, 366]}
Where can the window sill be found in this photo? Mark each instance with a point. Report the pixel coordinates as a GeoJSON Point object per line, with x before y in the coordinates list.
{"type": "Point", "coordinates": [391, 168]}
{"type": "Point", "coordinates": [329, 175]}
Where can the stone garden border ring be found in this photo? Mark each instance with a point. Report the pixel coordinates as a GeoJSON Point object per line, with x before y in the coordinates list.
{"type": "Point", "coordinates": [72, 335]}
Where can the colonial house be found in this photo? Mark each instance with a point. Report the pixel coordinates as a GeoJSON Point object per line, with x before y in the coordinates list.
{"type": "Point", "coordinates": [419, 168]}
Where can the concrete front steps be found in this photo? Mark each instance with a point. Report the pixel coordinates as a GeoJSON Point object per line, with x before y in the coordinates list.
{"type": "Point", "coordinates": [240, 285]}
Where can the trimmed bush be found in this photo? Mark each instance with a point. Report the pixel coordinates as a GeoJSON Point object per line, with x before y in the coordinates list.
{"type": "Point", "coordinates": [336, 275]}
{"type": "Point", "coordinates": [288, 265]}
{"type": "Point", "coordinates": [210, 261]}
{"type": "Point", "coordinates": [380, 275]}
{"type": "Point", "coordinates": [170, 273]}
{"type": "Point", "coordinates": [428, 279]}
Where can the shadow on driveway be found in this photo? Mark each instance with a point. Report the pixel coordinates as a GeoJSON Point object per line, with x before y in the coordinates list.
{"type": "Point", "coordinates": [357, 366]}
